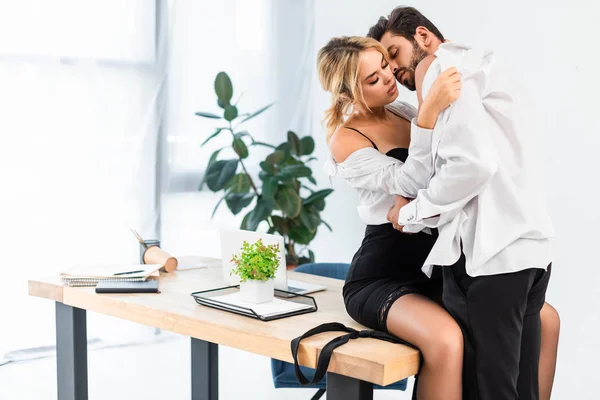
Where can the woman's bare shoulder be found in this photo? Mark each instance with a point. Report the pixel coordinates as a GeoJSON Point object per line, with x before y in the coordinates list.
{"type": "Point", "coordinates": [346, 141]}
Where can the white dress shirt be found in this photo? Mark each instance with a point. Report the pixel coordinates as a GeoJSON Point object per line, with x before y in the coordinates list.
{"type": "Point", "coordinates": [377, 177]}
{"type": "Point", "coordinates": [482, 191]}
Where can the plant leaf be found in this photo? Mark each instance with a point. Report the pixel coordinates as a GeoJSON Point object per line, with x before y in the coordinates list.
{"type": "Point", "coordinates": [269, 187]}
{"type": "Point", "coordinates": [219, 173]}
{"type": "Point", "coordinates": [295, 144]}
{"type": "Point", "coordinates": [238, 201]}
{"type": "Point", "coordinates": [297, 171]}
{"type": "Point", "coordinates": [263, 209]}
{"type": "Point", "coordinates": [231, 113]}
{"type": "Point", "coordinates": [316, 196]}
{"type": "Point", "coordinates": [240, 148]}
{"type": "Point", "coordinates": [319, 204]}
{"type": "Point", "coordinates": [276, 157]}
{"type": "Point", "coordinates": [285, 148]}
{"type": "Point", "coordinates": [262, 175]}
{"type": "Point", "coordinates": [207, 115]}
{"type": "Point", "coordinates": [301, 235]}
{"type": "Point", "coordinates": [311, 159]}
{"type": "Point", "coordinates": [310, 219]}
{"type": "Point", "coordinates": [216, 207]}
{"type": "Point", "coordinates": [278, 223]}
{"type": "Point", "coordinates": [312, 180]}
{"type": "Point", "coordinates": [268, 168]}
{"type": "Point", "coordinates": [286, 178]}
{"type": "Point", "coordinates": [239, 183]}
{"type": "Point", "coordinates": [327, 225]}
{"type": "Point", "coordinates": [307, 188]}
{"type": "Point", "coordinates": [292, 161]}
{"type": "Point", "coordinates": [311, 256]}
{"type": "Point", "coordinates": [288, 201]}
{"type": "Point", "coordinates": [212, 159]}
{"type": "Point", "coordinates": [212, 136]}
{"type": "Point", "coordinates": [223, 88]}
{"type": "Point", "coordinates": [244, 224]}
{"type": "Point", "coordinates": [241, 134]}
{"type": "Point", "coordinates": [308, 145]}
{"type": "Point", "coordinates": [254, 114]}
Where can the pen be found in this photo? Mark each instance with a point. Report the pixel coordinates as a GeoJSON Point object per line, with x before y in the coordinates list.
{"type": "Point", "coordinates": [129, 272]}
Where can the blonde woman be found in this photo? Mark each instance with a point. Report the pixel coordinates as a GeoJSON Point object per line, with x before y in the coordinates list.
{"type": "Point", "coordinates": [370, 136]}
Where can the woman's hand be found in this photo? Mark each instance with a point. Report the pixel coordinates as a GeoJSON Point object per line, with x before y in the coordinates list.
{"type": "Point", "coordinates": [444, 91]}
{"type": "Point", "coordinates": [394, 213]}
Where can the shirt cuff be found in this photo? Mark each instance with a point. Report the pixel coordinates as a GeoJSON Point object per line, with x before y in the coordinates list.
{"type": "Point", "coordinates": [408, 214]}
{"type": "Point", "coordinates": [419, 136]}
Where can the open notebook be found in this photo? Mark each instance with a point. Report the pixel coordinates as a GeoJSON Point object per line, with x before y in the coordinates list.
{"type": "Point", "coordinates": [90, 275]}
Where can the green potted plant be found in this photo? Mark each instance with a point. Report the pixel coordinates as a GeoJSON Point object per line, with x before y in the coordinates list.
{"type": "Point", "coordinates": [284, 197]}
{"type": "Point", "coordinates": [256, 266]}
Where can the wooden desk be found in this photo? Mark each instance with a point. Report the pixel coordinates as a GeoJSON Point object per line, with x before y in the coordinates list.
{"type": "Point", "coordinates": [353, 369]}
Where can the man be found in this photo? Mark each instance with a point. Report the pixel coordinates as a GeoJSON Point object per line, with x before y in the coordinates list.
{"type": "Point", "coordinates": [494, 231]}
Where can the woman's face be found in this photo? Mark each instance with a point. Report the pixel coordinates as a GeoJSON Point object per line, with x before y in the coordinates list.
{"type": "Point", "coordinates": [376, 79]}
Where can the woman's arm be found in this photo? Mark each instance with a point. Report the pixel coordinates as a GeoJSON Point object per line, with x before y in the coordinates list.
{"type": "Point", "coordinates": [371, 170]}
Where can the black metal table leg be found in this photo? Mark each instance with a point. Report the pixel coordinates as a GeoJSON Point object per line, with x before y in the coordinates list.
{"type": "Point", "coordinates": [205, 370]}
{"type": "Point", "coordinates": [340, 387]}
{"type": "Point", "coordinates": [71, 353]}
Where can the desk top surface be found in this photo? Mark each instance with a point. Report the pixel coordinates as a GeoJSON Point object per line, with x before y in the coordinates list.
{"type": "Point", "coordinates": [176, 311]}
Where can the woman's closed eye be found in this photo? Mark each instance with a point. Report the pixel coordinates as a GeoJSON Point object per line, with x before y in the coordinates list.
{"type": "Point", "coordinates": [384, 66]}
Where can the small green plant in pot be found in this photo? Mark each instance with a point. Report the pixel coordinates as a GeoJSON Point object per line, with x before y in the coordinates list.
{"type": "Point", "coordinates": [256, 266]}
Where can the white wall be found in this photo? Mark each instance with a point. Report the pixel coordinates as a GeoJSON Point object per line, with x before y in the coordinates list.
{"type": "Point", "coordinates": [554, 46]}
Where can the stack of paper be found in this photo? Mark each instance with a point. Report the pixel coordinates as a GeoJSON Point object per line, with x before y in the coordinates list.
{"type": "Point", "coordinates": [90, 275]}
{"type": "Point", "coordinates": [268, 309]}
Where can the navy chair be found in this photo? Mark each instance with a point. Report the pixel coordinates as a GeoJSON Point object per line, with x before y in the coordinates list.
{"type": "Point", "coordinates": [283, 372]}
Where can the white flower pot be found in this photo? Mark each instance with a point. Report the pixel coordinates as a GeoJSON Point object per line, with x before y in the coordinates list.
{"type": "Point", "coordinates": [257, 292]}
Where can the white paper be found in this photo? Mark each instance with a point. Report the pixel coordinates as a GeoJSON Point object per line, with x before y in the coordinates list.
{"type": "Point", "coordinates": [109, 271]}
{"type": "Point", "coordinates": [274, 307]}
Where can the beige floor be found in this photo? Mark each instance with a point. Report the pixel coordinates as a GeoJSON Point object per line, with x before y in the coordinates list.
{"type": "Point", "coordinates": [153, 372]}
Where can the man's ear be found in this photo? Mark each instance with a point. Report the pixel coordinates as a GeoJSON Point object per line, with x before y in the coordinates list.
{"type": "Point", "coordinates": [423, 37]}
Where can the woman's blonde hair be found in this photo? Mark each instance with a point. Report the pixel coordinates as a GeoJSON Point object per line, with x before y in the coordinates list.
{"type": "Point", "coordinates": [337, 63]}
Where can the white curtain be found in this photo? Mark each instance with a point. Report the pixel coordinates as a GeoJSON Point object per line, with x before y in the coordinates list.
{"type": "Point", "coordinates": [264, 46]}
{"type": "Point", "coordinates": [79, 85]}
{"type": "Point", "coordinates": [99, 133]}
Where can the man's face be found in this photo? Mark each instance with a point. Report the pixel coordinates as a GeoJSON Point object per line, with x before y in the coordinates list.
{"type": "Point", "coordinates": [404, 57]}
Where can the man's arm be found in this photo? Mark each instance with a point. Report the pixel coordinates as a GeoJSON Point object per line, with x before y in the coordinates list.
{"type": "Point", "coordinates": [368, 169]}
{"type": "Point", "coordinates": [469, 162]}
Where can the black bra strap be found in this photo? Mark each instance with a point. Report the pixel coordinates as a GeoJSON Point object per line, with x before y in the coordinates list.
{"type": "Point", "coordinates": [327, 351]}
{"type": "Point", "coordinates": [356, 130]}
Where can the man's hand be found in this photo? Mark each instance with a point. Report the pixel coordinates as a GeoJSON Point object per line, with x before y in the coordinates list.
{"type": "Point", "coordinates": [394, 212]}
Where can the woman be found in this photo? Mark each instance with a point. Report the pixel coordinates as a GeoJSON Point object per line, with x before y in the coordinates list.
{"type": "Point", "coordinates": [370, 137]}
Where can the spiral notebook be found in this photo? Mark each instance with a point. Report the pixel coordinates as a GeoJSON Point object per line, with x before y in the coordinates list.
{"type": "Point", "coordinates": [90, 275]}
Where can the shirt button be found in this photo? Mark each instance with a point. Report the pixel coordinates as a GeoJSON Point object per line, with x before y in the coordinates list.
{"type": "Point", "coordinates": [411, 217]}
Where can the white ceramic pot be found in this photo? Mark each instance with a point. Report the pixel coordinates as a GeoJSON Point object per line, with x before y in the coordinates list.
{"type": "Point", "coordinates": [257, 292]}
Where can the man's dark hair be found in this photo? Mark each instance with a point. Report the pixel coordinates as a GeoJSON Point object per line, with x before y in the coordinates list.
{"type": "Point", "coordinates": [403, 21]}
